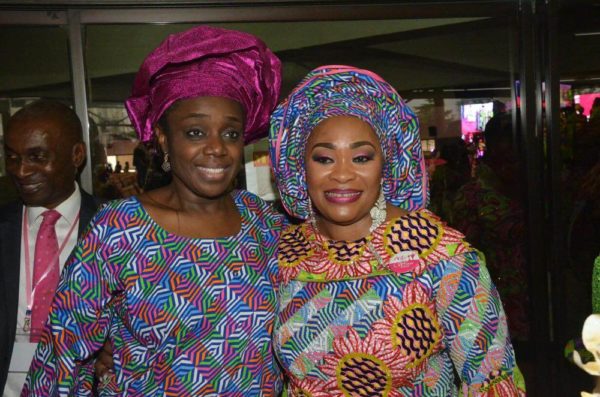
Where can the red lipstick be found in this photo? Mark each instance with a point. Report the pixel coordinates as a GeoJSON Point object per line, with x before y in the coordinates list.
{"type": "Point", "coordinates": [342, 196]}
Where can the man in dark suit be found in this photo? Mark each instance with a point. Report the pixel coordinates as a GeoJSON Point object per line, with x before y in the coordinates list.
{"type": "Point", "coordinates": [44, 152]}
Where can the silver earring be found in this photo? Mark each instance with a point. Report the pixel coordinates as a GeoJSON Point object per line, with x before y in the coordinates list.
{"type": "Point", "coordinates": [378, 212]}
{"type": "Point", "coordinates": [311, 215]}
{"type": "Point", "coordinates": [166, 165]}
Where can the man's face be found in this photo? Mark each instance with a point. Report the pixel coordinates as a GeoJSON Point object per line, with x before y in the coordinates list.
{"type": "Point", "coordinates": [42, 160]}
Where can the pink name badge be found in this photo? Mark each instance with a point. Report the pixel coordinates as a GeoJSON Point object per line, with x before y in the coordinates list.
{"type": "Point", "coordinates": [404, 262]}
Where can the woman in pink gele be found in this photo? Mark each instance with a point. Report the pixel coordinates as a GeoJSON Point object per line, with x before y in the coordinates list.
{"type": "Point", "coordinates": [181, 280]}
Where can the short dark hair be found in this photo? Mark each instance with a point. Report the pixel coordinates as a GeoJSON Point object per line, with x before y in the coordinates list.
{"type": "Point", "coordinates": [45, 108]}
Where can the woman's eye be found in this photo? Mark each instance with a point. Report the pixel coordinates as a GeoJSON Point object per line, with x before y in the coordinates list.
{"type": "Point", "coordinates": [322, 159]}
{"type": "Point", "coordinates": [362, 159]}
{"type": "Point", "coordinates": [232, 134]}
{"type": "Point", "coordinates": [195, 133]}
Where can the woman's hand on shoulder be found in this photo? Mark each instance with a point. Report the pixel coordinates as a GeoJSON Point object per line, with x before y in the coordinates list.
{"type": "Point", "coordinates": [104, 361]}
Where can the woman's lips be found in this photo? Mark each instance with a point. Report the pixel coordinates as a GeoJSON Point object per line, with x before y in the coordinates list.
{"type": "Point", "coordinates": [342, 196]}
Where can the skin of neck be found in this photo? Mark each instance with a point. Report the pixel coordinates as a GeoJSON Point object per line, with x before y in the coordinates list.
{"type": "Point", "coordinates": [343, 232]}
{"type": "Point", "coordinates": [182, 199]}
{"type": "Point", "coordinates": [58, 202]}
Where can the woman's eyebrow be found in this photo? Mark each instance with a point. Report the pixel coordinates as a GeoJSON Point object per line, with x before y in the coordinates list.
{"type": "Point", "coordinates": [204, 115]}
{"type": "Point", "coordinates": [195, 115]}
{"type": "Point", "coordinates": [354, 145]}
{"type": "Point", "coordinates": [361, 143]}
{"type": "Point", "coordinates": [326, 145]}
{"type": "Point", "coordinates": [234, 118]}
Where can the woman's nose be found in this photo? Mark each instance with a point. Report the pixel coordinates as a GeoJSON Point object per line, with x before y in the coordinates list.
{"type": "Point", "coordinates": [342, 171]}
{"type": "Point", "coordinates": [215, 146]}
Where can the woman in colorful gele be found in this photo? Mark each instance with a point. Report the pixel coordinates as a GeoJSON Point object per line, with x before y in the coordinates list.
{"type": "Point", "coordinates": [378, 297]}
{"type": "Point", "coordinates": [180, 280]}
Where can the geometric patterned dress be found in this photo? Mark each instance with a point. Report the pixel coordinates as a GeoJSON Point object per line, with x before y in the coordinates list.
{"type": "Point", "coordinates": [186, 317]}
{"type": "Point", "coordinates": [396, 313]}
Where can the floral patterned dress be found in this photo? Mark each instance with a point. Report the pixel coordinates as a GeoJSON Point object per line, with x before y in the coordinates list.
{"type": "Point", "coordinates": [393, 314]}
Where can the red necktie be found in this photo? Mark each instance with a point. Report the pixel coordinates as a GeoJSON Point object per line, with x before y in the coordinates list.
{"type": "Point", "coordinates": [45, 273]}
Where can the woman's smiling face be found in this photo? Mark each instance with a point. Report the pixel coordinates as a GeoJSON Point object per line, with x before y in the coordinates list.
{"type": "Point", "coordinates": [344, 165]}
{"type": "Point", "coordinates": [205, 144]}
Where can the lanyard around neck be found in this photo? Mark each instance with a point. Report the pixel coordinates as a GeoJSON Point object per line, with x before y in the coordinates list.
{"type": "Point", "coordinates": [28, 279]}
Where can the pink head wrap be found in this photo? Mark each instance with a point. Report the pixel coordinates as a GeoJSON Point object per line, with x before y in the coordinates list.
{"type": "Point", "coordinates": [206, 61]}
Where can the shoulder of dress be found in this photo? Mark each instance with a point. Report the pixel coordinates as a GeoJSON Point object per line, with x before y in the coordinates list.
{"type": "Point", "coordinates": [294, 246]}
{"type": "Point", "coordinates": [293, 228]}
{"type": "Point", "coordinates": [120, 204]}
{"type": "Point", "coordinates": [252, 201]}
{"type": "Point", "coordinates": [116, 209]}
{"type": "Point", "coordinates": [261, 210]}
{"type": "Point", "coordinates": [425, 233]}
{"type": "Point", "coordinates": [443, 226]}
{"type": "Point", "coordinates": [246, 195]}
{"type": "Point", "coordinates": [292, 235]}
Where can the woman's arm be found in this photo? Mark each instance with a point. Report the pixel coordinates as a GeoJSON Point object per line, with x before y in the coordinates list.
{"type": "Point", "coordinates": [475, 328]}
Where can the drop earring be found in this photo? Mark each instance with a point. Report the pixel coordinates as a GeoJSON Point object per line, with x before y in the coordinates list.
{"type": "Point", "coordinates": [378, 212]}
{"type": "Point", "coordinates": [311, 215]}
{"type": "Point", "coordinates": [166, 165]}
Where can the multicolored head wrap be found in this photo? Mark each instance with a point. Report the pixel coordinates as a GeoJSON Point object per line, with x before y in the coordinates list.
{"type": "Point", "coordinates": [206, 61]}
{"type": "Point", "coordinates": [334, 90]}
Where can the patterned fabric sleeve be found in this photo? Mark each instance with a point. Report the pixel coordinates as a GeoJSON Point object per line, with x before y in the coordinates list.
{"type": "Point", "coordinates": [475, 328]}
{"type": "Point", "coordinates": [77, 324]}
